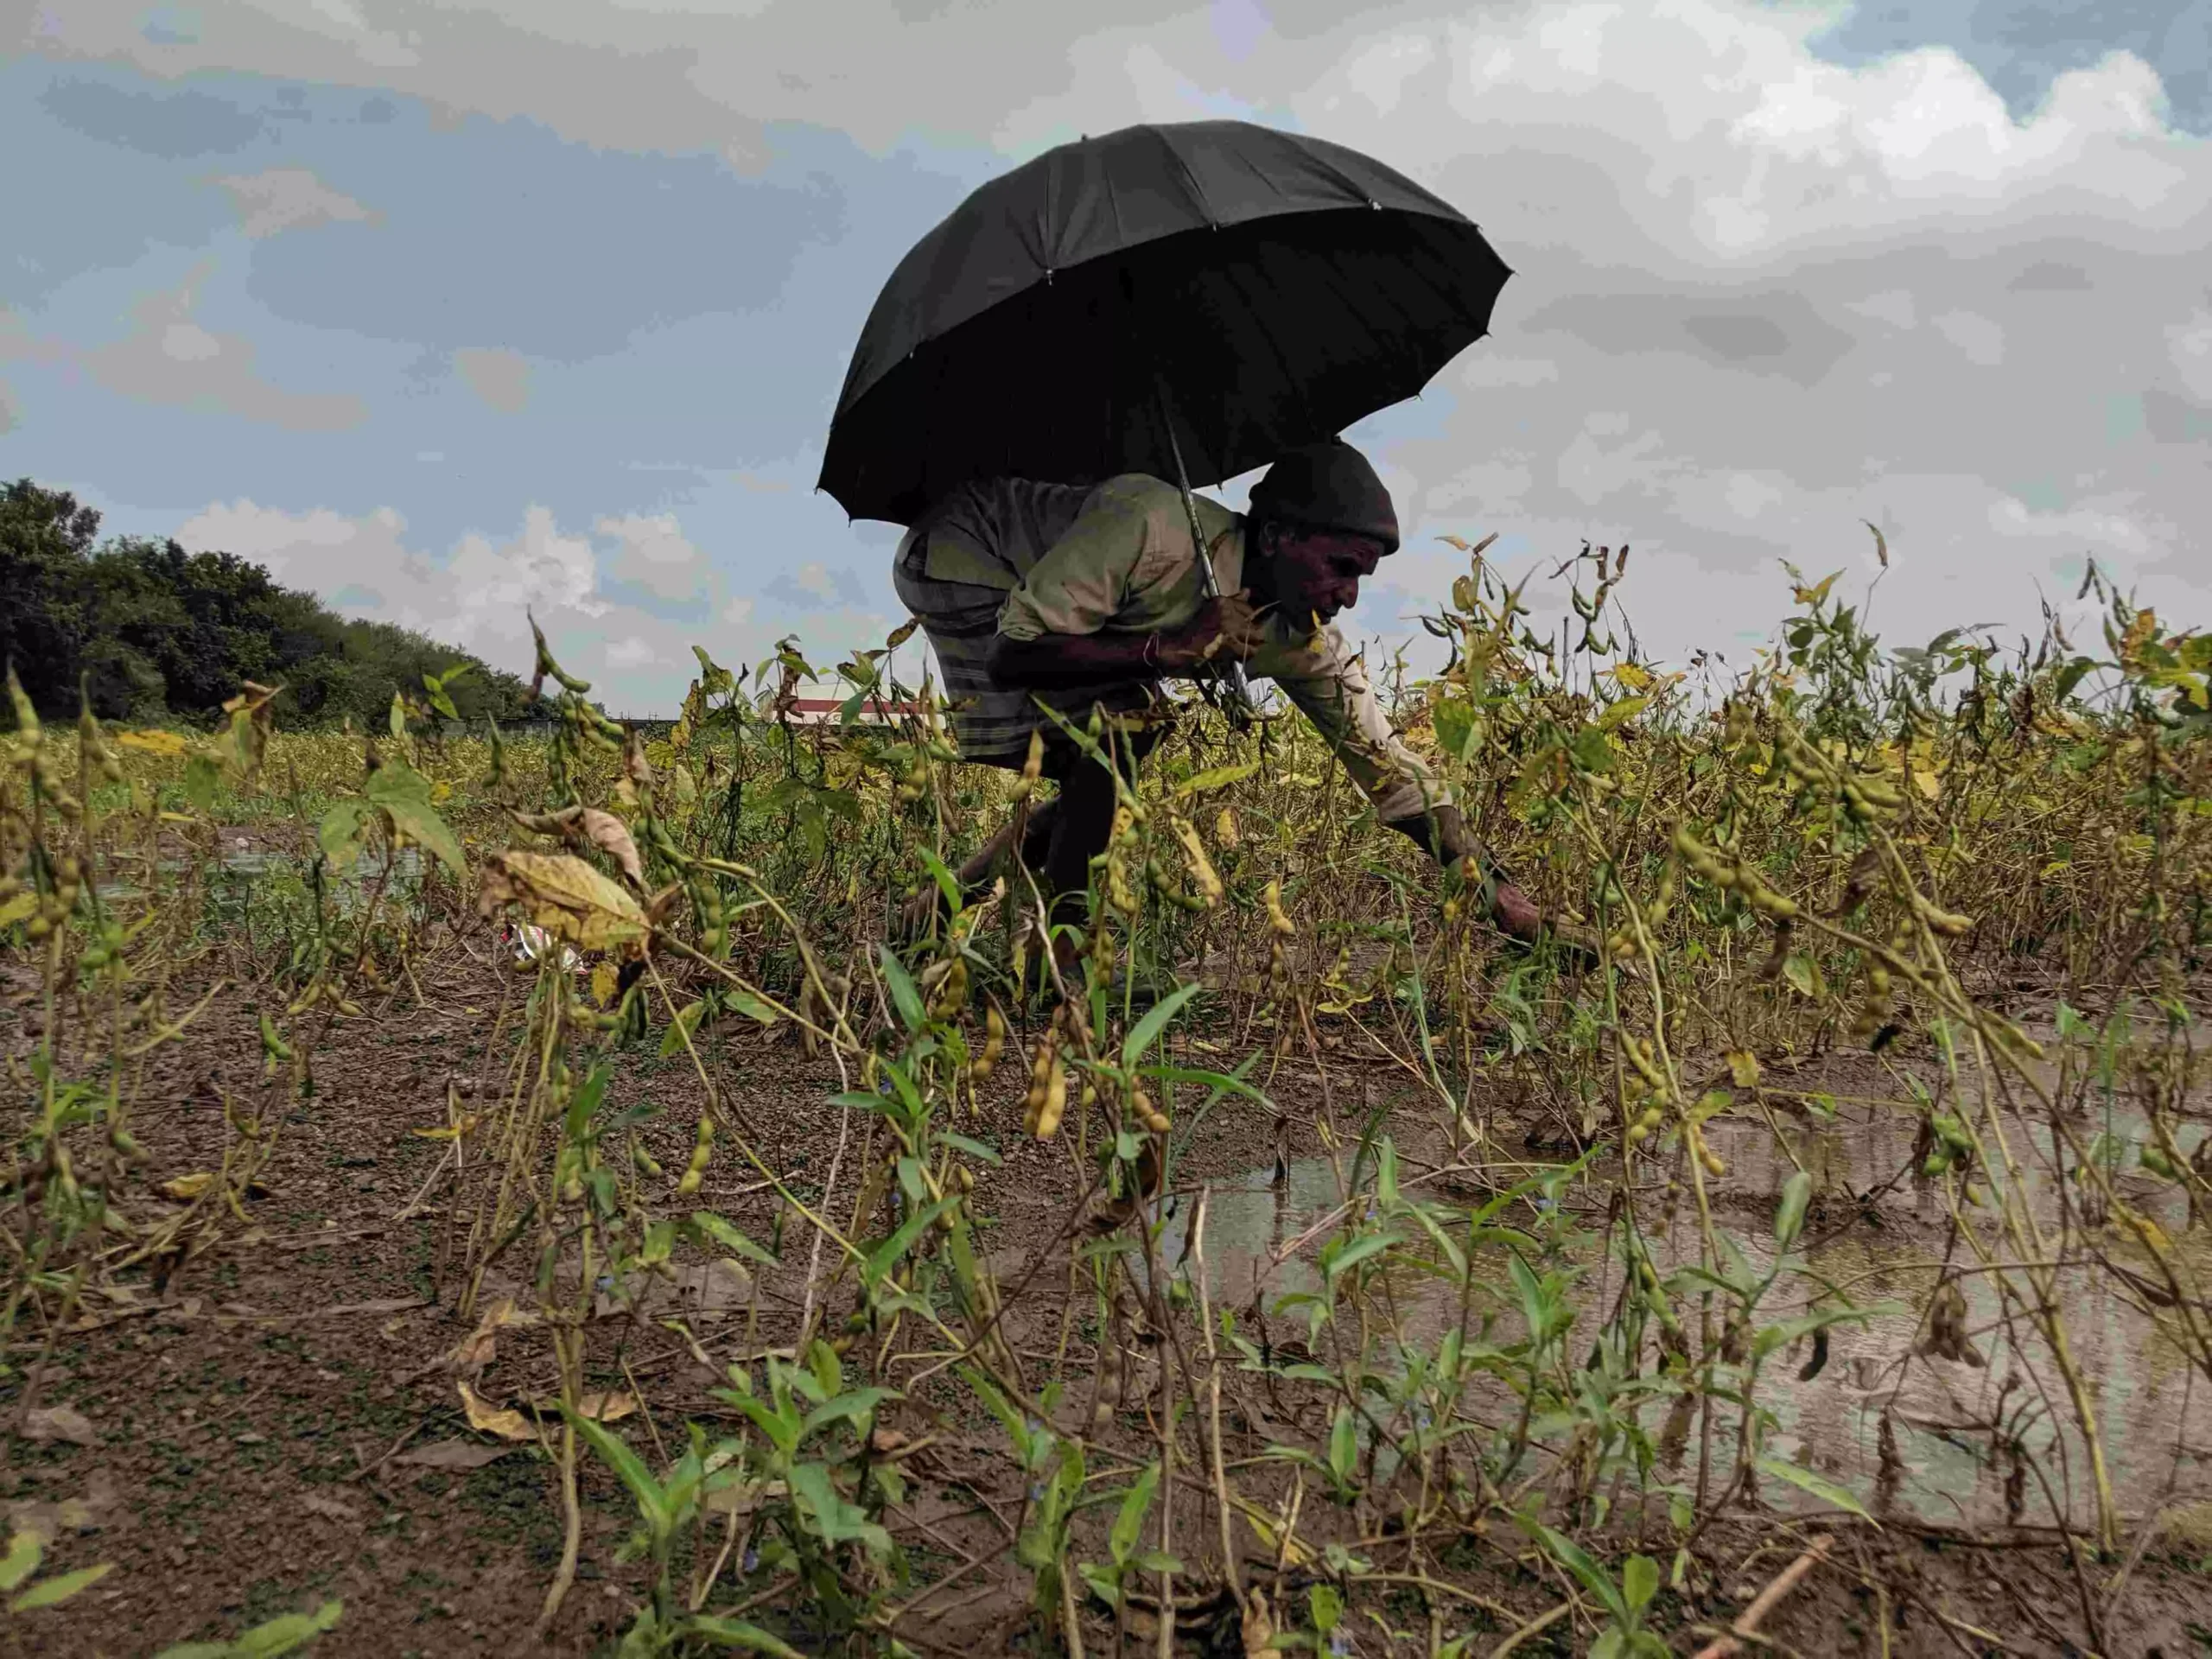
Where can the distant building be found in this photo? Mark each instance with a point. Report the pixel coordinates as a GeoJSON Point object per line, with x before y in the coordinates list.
{"type": "Point", "coordinates": [827, 711]}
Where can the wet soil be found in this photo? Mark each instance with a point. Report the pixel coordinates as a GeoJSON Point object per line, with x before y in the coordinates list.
{"type": "Point", "coordinates": [270, 1424]}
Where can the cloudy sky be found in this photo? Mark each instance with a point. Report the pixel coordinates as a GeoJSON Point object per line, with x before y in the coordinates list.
{"type": "Point", "coordinates": [446, 309]}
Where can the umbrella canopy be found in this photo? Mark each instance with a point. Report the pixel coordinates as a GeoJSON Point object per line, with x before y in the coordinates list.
{"type": "Point", "coordinates": [1270, 289]}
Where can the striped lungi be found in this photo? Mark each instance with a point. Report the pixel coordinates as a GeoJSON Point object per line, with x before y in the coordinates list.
{"type": "Point", "coordinates": [953, 571]}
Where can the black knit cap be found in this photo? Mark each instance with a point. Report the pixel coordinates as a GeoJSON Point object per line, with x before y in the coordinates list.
{"type": "Point", "coordinates": [1327, 486]}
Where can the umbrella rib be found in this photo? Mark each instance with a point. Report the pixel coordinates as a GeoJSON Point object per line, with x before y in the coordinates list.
{"type": "Point", "coordinates": [1192, 187]}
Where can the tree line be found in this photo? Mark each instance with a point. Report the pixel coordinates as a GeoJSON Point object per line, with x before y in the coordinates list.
{"type": "Point", "coordinates": [151, 632]}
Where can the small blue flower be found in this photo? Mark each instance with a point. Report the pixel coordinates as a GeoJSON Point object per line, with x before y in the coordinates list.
{"type": "Point", "coordinates": [751, 1564]}
{"type": "Point", "coordinates": [1340, 1643]}
{"type": "Point", "coordinates": [1037, 1491]}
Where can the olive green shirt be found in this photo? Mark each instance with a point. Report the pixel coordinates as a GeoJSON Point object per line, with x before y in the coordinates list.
{"type": "Point", "coordinates": [1126, 565]}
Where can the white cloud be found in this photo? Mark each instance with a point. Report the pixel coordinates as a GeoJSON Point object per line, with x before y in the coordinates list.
{"type": "Point", "coordinates": [500, 377]}
{"type": "Point", "coordinates": [288, 198]}
{"type": "Point", "coordinates": [2189, 344]}
{"type": "Point", "coordinates": [168, 358]}
{"type": "Point", "coordinates": [1980, 340]}
{"type": "Point", "coordinates": [479, 595]}
{"type": "Point", "coordinates": [655, 554]}
{"type": "Point", "coordinates": [1732, 242]}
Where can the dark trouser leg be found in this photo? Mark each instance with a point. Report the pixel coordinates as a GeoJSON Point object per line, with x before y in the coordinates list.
{"type": "Point", "coordinates": [1085, 819]}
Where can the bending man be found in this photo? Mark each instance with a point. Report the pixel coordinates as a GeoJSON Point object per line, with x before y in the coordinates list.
{"type": "Point", "coordinates": [1088, 596]}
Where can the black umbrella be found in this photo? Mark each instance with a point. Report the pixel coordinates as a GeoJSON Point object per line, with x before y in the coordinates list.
{"type": "Point", "coordinates": [1270, 290]}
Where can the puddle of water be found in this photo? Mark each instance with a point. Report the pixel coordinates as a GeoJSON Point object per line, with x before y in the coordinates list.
{"type": "Point", "coordinates": [2155, 1414]}
{"type": "Point", "coordinates": [245, 864]}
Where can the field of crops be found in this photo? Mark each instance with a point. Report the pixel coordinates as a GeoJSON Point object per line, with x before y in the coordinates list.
{"type": "Point", "coordinates": [724, 1266]}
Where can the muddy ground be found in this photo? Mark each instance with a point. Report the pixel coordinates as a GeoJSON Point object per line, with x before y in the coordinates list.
{"type": "Point", "coordinates": [272, 1426]}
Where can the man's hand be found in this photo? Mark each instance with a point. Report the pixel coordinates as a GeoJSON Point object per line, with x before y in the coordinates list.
{"type": "Point", "coordinates": [1228, 629]}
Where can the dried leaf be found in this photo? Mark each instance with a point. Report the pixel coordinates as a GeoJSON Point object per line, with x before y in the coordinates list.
{"type": "Point", "coordinates": [185, 1188]}
{"type": "Point", "coordinates": [60, 1423]}
{"type": "Point", "coordinates": [603, 981]}
{"type": "Point", "coordinates": [480, 1346]}
{"type": "Point", "coordinates": [331, 1508]}
{"type": "Point", "coordinates": [563, 895]}
{"type": "Point", "coordinates": [168, 745]}
{"type": "Point", "coordinates": [599, 1408]}
{"type": "Point", "coordinates": [486, 1419]}
{"type": "Point", "coordinates": [454, 1454]}
{"type": "Point", "coordinates": [612, 837]}
{"type": "Point", "coordinates": [1258, 1624]}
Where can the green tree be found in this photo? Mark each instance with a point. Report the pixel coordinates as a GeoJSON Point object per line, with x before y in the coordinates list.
{"type": "Point", "coordinates": [45, 598]}
{"type": "Point", "coordinates": [155, 631]}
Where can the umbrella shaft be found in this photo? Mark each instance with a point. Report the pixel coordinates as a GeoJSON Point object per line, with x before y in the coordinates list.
{"type": "Point", "coordinates": [1238, 700]}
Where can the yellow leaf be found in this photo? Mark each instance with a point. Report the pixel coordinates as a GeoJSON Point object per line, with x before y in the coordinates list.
{"type": "Point", "coordinates": [1633, 678]}
{"type": "Point", "coordinates": [1743, 1068]}
{"type": "Point", "coordinates": [563, 895]}
{"type": "Point", "coordinates": [600, 1407]}
{"type": "Point", "coordinates": [16, 908]}
{"type": "Point", "coordinates": [482, 1346]}
{"type": "Point", "coordinates": [603, 980]}
{"type": "Point", "coordinates": [451, 1132]}
{"type": "Point", "coordinates": [612, 837]}
{"type": "Point", "coordinates": [1928, 783]}
{"type": "Point", "coordinates": [504, 1421]}
{"type": "Point", "coordinates": [155, 742]}
{"type": "Point", "coordinates": [185, 1188]}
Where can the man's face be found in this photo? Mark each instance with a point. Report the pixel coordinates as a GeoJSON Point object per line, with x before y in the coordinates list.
{"type": "Point", "coordinates": [1318, 572]}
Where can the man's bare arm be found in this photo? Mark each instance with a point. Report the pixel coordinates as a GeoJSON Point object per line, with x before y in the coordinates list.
{"type": "Point", "coordinates": [1229, 627]}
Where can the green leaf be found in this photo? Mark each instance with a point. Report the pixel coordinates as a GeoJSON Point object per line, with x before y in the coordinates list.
{"type": "Point", "coordinates": [680, 1028]}
{"type": "Point", "coordinates": [1803, 976]}
{"type": "Point", "coordinates": [1215, 777]}
{"type": "Point", "coordinates": [1790, 1215]}
{"type": "Point", "coordinates": [750, 1006]}
{"type": "Point", "coordinates": [1626, 708]}
{"type": "Point", "coordinates": [1590, 751]}
{"type": "Point", "coordinates": [1819, 1486]}
{"type": "Point", "coordinates": [405, 794]}
{"type": "Point", "coordinates": [829, 1371]}
{"type": "Point", "coordinates": [886, 1255]}
{"type": "Point", "coordinates": [973, 1148]}
{"type": "Point", "coordinates": [1357, 1251]}
{"type": "Point", "coordinates": [1570, 1555]}
{"type": "Point", "coordinates": [24, 1553]}
{"type": "Point", "coordinates": [292, 1632]}
{"type": "Point", "coordinates": [1456, 727]}
{"type": "Point", "coordinates": [947, 883]}
{"type": "Point", "coordinates": [200, 778]}
{"type": "Point", "coordinates": [278, 1635]}
{"type": "Point", "coordinates": [846, 1408]}
{"type": "Point", "coordinates": [652, 1503]}
{"type": "Point", "coordinates": [707, 1222]}
{"type": "Point", "coordinates": [583, 1105]}
{"type": "Point", "coordinates": [1639, 1582]}
{"type": "Point", "coordinates": [839, 1521]}
{"type": "Point", "coordinates": [1155, 1021]}
{"type": "Point", "coordinates": [1386, 1175]}
{"type": "Point", "coordinates": [908, 999]}
{"type": "Point", "coordinates": [1344, 1446]}
{"type": "Point", "coordinates": [341, 832]}
{"type": "Point", "coordinates": [1327, 1607]}
{"type": "Point", "coordinates": [736, 1633]}
{"type": "Point", "coordinates": [1129, 1521]}
{"type": "Point", "coordinates": [52, 1592]}
{"type": "Point", "coordinates": [396, 722]}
